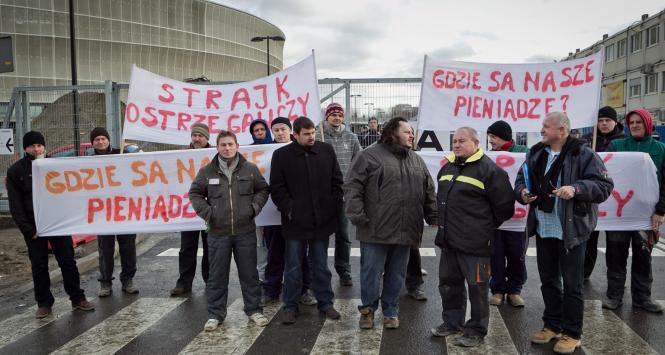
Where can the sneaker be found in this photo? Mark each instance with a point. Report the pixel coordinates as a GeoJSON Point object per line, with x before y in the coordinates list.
{"type": "Point", "coordinates": [211, 325]}
{"type": "Point", "coordinates": [289, 317]}
{"type": "Point", "coordinates": [346, 281]}
{"type": "Point", "coordinates": [128, 287]}
{"type": "Point", "coordinates": [259, 319]}
{"type": "Point", "coordinates": [105, 290]}
{"type": "Point", "coordinates": [649, 306]}
{"type": "Point", "coordinates": [468, 341]}
{"type": "Point", "coordinates": [423, 272]}
{"type": "Point", "coordinates": [180, 291]}
{"type": "Point", "coordinates": [366, 318]}
{"type": "Point", "coordinates": [390, 322]}
{"type": "Point", "coordinates": [516, 300]}
{"type": "Point", "coordinates": [83, 305]}
{"type": "Point", "coordinates": [544, 336]}
{"type": "Point", "coordinates": [331, 313]}
{"type": "Point", "coordinates": [497, 299]}
{"type": "Point", "coordinates": [417, 294]}
{"type": "Point", "coordinates": [308, 300]}
{"type": "Point", "coordinates": [443, 330]}
{"type": "Point", "coordinates": [567, 345]}
{"type": "Point", "coordinates": [612, 303]}
{"type": "Point", "coordinates": [43, 312]}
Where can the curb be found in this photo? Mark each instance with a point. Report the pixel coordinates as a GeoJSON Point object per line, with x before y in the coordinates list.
{"type": "Point", "coordinates": [89, 262]}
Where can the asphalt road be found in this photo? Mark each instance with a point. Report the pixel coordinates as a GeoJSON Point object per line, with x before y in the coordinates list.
{"type": "Point", "coordinates": [152, 322]}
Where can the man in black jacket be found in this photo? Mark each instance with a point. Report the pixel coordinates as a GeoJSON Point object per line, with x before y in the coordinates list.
{"type": "Point", "coordinates": [474, 198]}
{"type": "Point", "coordinates": [19, 191]}
{"type": "Point", "coordinates": [565, 183]}
{"type": "Point", "coordinates": [101, 144]}
{"type": "Point", "coordinates": [306, 186]}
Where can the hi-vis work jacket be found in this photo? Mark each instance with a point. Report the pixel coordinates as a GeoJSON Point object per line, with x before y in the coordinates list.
{"type": "Point", "coordinates": [474, 198]}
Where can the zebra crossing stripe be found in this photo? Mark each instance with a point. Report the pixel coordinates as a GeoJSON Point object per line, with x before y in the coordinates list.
{"type": "Point", "coordinates": [497, 340]}
{"type": "Point", "coordinates": [234, 336]}
{"type": "Point", "coordinates": [20, 325]}
{"type": "Point", "coordinates": [343, 336]}
{"type": "Point", "coordinates": [331, 252]}
{"type": "Point", "coordinates": [605, 333]}
{"type": "Point", "coordinates": [116, 331]}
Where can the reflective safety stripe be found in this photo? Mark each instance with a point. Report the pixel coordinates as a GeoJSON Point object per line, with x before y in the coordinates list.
{"type": "Point", "coordinates": [469, 180]}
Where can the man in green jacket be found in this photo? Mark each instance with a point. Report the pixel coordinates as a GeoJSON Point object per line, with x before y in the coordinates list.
{"type": "Point", "coordinates": [640, 140]}
{"type": "Point", "coordinates": [508, 247]}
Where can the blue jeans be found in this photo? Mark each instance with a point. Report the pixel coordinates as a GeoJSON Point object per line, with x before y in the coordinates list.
{"type": "Point", "coordinates": [220, 250]}
{"type": "Point", "coordinates": [318, 258]}
{"type": "Point", "coordinates": [342, 247]}
{"type": "Point", "coordinates": [390, 259]}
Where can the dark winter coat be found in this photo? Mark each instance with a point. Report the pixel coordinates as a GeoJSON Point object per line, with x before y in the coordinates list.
{"type": "Point", "coordinates": [19, 192]}
{"type": "Point", "coordinates": [603, 140]}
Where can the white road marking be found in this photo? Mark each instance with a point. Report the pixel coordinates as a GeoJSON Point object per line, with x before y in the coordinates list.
{"type": "Point", "coordinates": [655, 252]}
{"type": "Point", "coordinates": [331, 252]}
{"type": "Point", "coordinates": [497, 340]}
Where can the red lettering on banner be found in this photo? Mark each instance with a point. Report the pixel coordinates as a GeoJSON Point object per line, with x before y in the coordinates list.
{"type": "Point", "coordinates": [291, 104]}
{"type": "Point", "coordinates": [602, 214]}
{"type": "Point", "coordinates": [264, 96]}
{"type": "Point", "coordinates": [495, 87]}
{"type": "Point", "coordinates": [303, 103]}
{"type": "Point", "coordinates": [183, 118]}
{"type": "Point", "coordinates": [280, 88]}
{"type": "Point", "coordinates": [199, 119]}
{"type": "Point", "coordinates": [210, 99]}
{"type": "Point", "coordinates": [608, 157]}
{"type": "Point", "coordinates": [548, 104]}
{"type": "Point", "coordinates": [174, 201]}
{"type": "Point", "coordinates": [190, 91]}
{"type": "Point", "coordinates": [211, 124]}
{"type": "Point", "coordinates": [575, 79]}
{"type": "Point", "coordinates": [118, 203]}
{"type": "Point", "coordinates": [108, 210]}
{"type": "Point", "coordinates": [94, 205]}
{"type": "Point", "coordinates": [587, 71]}
{"type": "Point", "coordinates": [520, 212]}
{"type": "Point", "coordinates": [528, 78]}
{"type": "Point", "coordinates": [134, 209]}
{"type": "Point", "coordinates": [187, 212]}
{"type": "Point", "coordinates": [153, 121]}
{"type": "Point", "coordinates": [169, 98]}
{"type": "Point", "coordinates": [622, 201]}
{"type": "Point", "coordinates": [549, 82]}
{"type": "Point", "coordinates": [504, 161]}
{"type": "Point", "coordinates": [241, 95]}
{"type": "Point", "coordinates": [132, 113]}
{"type": "Point", "coordinates": [565, 98]}
{"type": "Point", "coordinates": [438, 83]}
{"type": "Point", "coordinates": [165, 117]}
{"type": "Point", "coordinates": [246, 121]}
{"type": "Point", "coordinates": [460, 102]}
{"type": "Point", "coordinates": [230, 126]}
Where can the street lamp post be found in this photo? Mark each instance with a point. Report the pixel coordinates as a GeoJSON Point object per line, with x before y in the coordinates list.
{"type": "Point", "coordinates": [355, 105]}
{"type": "Point", "coordinates": [267, 39]}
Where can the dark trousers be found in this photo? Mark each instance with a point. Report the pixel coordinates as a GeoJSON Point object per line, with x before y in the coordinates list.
{"type": "Point", "coordinates": [64, 254]}
{"type": "Point", "coordinates": [454, 269]}
{"type": "Point", "coordinates": [321, 275]}
{"type": "Point", "coordinates": [616, 256]}
{"type": "Point", "coordinates": [243, 249]}
{"type": "Point", "coordinates": [274, 274]}
{"type": "Point", "coordinates": [342, 246]}
{"type": "Point", "coordinates": [127, 251]}
{"type": "Point", "coordinates": [189, 246]}
{"type": "Point", "coordinates": [414, 273]}
{"type": "Point", "coordinates": [591, 254]}
{"type": "Point", "coordinates": [508, 262]}
{"type": "Point", "coordinates": [564, 307]}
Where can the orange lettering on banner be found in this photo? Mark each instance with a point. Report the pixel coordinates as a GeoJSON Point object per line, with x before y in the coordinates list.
{"type": "Point", "coordinates": [181, 169]}
{"type": "Point", "coordinates": [87, 179]}
{"type": "Point", "coordinates": [156, 171]}
{"type": "Point", "coordinates": [74, 185]}
{"type": "Point", "coordinates": [53, 187]}
{"type": "Point", "coordinates": [136, 168]}
{"type": "Point", "coordinates": [255, 158]}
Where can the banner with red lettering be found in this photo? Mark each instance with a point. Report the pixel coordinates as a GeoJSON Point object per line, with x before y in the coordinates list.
{"type": "Point", "coordinates": [457, 94]}
{"type": "Point", "coordinates": [629, 207]}
{"type": "Point", "coordinates": [163, 110]}
{"type": "Point", "coordinates": [129, 193]}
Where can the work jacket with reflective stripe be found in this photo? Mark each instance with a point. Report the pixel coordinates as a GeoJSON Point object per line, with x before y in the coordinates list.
{"type": "Point", "coordinates": [474, 198]}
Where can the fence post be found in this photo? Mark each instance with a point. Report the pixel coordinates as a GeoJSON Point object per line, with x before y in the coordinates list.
{"type": "Point", "coordinates": [25, 102]}
{"type": "Point", "coordinates": [18, 107]}
{"type": "Point", "coordinates": [347, 105]}
{"type": "Point", "coordinates": [111, 93]}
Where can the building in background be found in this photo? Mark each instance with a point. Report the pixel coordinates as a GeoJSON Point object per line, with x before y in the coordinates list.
{"type": "Point", "coordinates": [634, 67]}
{"type": "Point", "coordinates": [178, 39]}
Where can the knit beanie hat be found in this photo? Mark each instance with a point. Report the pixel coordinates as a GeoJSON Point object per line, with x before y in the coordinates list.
{"type": "Point", "coordinates": [334, 108]}
{"type": "Point", "coordinates": [646, 118]}
{"type": "Point", "coordinates": [201, 129]}
{"type": "Point", "coordinates": [282, 120]}
{"type": "Point", "coordinates": [99, 131]}
{"type": "Point", "coordinates": [33, 137]}
{"type": "Point", "coordinates": [501, 129]}
{"type": "Point", "coordinates": [608, 112]}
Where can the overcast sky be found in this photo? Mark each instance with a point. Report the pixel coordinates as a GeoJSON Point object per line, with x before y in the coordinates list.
{"type": "Point", "coordinates": [388, 38]}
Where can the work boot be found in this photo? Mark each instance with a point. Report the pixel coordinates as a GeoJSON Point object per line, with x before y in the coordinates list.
{"type": "Point", "coordinates": [346, 281]}
{"type": "Point", "coordinates": [308, 300]}
{"type": "Point", "coordinates": [390, 322]}
{"type": "Point", "coordinates": [128, 287]}
{"type": "Point", "coordinates": [84, 305]}
{"type": "Point", "coordinates": [443, 330]}
{"type": "Point", "coordinates": [567, 345]}
{"type": "Point", "coordinates": [43, 312]}
{"type": "Point", "coordinates": [544, 336]}
{"type": "Point", "coordinates": [331, 313]}
{"type": "Point", "coordinates": [105, 290]}
{"type": "Point", "coordinates": [468, 341]}
{"type": "Point", "coordinates": [366, 318]}
{"type": "Point", "coordinates": [179, 291]}
{"type": "Point", "coordinates": [649, 306]}
{"type": "Point", "coordinates": [516, 300]}
{"type": "Point", "coordinates": [612, 303]}
{"type": "Point", "coordinates": [417, 294]}
{"type": "Point", "coordinates": [497, 299]}
{"type": "Point", "coordinates": [289, 317]}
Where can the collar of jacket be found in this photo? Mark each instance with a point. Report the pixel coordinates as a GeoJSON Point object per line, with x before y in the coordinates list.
{"type": "Point", "coordinates": [215, 161]}
{"type": "Point", "coordinates": [474, 157]}
{"type": "Point", "coordinates": [300, 150]}
{"type": "Point", "coordinates": [191, 146]}
{"type": "Point", "coordinates": [103, 152]}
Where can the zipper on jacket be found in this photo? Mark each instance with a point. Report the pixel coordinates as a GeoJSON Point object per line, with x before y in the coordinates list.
{"type": "Point", "coordinates": [231, 202]}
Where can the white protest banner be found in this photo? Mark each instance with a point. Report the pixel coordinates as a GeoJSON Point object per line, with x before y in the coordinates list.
{"type": "Point", "coordinates": [163, 110]}
{"type": "Point", "coordinates": [457, 94]}
{"type": "Point", "coordinates": [629, 207]}
{"type": "Point", "coordinates": [129, 193]}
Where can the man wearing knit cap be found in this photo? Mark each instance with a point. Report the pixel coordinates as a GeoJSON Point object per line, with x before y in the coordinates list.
{"type": "Point", "coordinates": [347, 146]}
{"type": "Point", "coordinates": [608, 129]}
{"type": "Point", "coordinates": [189, 240]}
{"type": "Point", "coordinates": [640, 124]}
{"type": "Point", "coordinates": [508, 247]}
{"type": "Point", "coordinates": [101, 144]}
{"type": "Point", "coordinates": [19, 192]}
